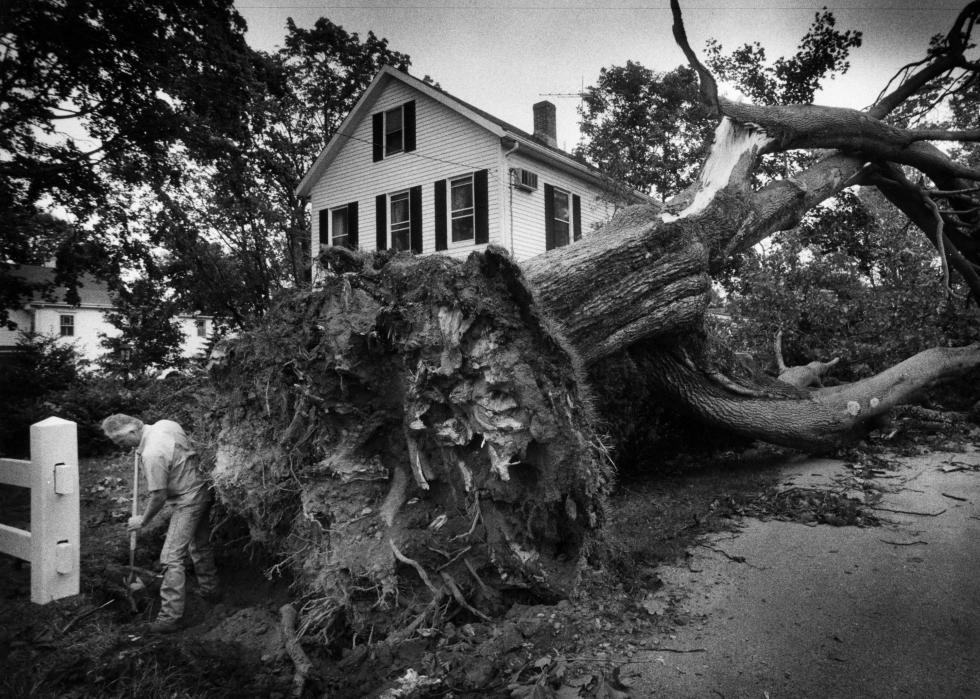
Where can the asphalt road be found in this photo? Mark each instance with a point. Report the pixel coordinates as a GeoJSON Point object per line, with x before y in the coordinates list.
{"type": "Point", "coordinates": [820, 611]}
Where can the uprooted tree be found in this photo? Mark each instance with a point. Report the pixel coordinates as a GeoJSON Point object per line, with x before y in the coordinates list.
{"type": "Point", "coordinates": [418, 433]}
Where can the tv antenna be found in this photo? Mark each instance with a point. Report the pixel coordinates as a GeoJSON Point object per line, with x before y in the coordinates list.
{"type": "Point", "coordinates": [564, 95]}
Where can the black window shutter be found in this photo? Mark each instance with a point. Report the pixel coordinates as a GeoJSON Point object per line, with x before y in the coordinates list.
{"type": "Point", "coordinates": [381, 219]}
{"type": "Point", "coordinates": [415, 212]}
{"type": "Point", "coordinates": [577, 216]}
{"type": "Point", "coordinates": [481, 206]}
{"type": "Point", "coordinates": [441, 204]}
{"type": "Point", "coordinates": [408, 123]}
{"type": "Point", "coordinates": [324, 232]}
{"type": "Point", "coordinates": [352, 241]}
{"type": "Point", "coordinates": [549, 217]}
{"type": "Point", "coordinates": [378, 136]}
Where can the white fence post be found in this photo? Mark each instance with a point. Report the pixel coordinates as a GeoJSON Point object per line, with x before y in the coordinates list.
{"type": "Point", "coordinates": [53, 544]}
{"type": "Point", "coordinates": [55, 550]}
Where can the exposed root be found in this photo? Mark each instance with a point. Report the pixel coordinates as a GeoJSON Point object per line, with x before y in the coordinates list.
{"type": "Point", "coordinates": [479, 581]}
{"type": "Point", "coordinates": [418, 568]}
{"type": "Point", "coordinates": [415, 460]}
{"type": "Point", "coordinates": [467, 475]}
{"type": "Point", "coordinates": [375, 408]}
{"type": "Point", "coordinates": [395, 497]}
{"type": "Point", "coordinates": [458, 596]}
{"type": "Point", "coordinates": [406, 632]}
{"type": "Point", "coordinates": [455, 557]}
{"type": "Point", "coordinates": [476, 518]}
{"type": "Point", "coordinates": [295, 650]}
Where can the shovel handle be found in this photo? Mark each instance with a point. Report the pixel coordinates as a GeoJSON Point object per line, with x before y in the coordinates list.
{"type": "Point", "coordinates": [136, 492]}
{"type": "Point", "coordinates": [136, 482]}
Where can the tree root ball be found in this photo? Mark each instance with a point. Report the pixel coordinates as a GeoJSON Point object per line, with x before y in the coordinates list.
{"type": "Point", "coordinates": [411, 429]}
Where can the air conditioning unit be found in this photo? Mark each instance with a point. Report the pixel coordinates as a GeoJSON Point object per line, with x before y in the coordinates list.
{"type": "Point", "coordinates": [525, 179]}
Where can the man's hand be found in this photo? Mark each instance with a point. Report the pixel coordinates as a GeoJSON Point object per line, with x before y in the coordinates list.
{"type": "Point", "coordinates": [135, 523]}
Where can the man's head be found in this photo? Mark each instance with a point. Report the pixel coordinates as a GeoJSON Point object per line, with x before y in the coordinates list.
{"type": "Point", "coordinates": [124, 430]}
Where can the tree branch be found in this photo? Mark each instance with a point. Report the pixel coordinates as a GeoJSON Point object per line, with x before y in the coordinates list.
{"type": "Point", "coordinates": [706, 81]}
{"type": "Point", "coordinates": [944, 135]}
{"type": "Point", "coordinates": [809, 126]}
{"type": "Point", "coordinates": [909, 199]}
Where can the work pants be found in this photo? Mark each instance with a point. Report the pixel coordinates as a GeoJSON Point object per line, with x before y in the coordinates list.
{"type": "Point", "coordinates": [189, 534]}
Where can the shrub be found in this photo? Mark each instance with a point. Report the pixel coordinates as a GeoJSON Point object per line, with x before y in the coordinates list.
{"type": "Point", "coordinates": [45, 378]}
{"type": "Point", "coordinates": [38, 367]}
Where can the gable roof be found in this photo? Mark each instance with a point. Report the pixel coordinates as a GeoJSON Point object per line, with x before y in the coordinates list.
{"type": "Point", "coordinates": [91, 292]}
{"type": "Point", "coordinates": [529, 144]}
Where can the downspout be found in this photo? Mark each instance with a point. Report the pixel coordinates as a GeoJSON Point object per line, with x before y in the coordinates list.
{"type": "Point", "coordinates": [510, 191]}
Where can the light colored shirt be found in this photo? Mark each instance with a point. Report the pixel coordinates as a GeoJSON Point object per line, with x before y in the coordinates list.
{"type": "Point", "coordinates": [169, 461]}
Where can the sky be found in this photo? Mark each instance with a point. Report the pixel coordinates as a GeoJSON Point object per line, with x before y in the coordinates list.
{"type": "Point", "coordinates": [504, 55]}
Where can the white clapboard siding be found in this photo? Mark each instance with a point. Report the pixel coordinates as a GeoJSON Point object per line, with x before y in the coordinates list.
{"type": "Point", "coordinates": [528, 207]}
{"type": "Point", "coordinates": [447, 146]}
{"type": "Point", "coordinates": [450, 143]}
{"type": "Point", "coordinates": [89, 324]}
{"type": "Point", "coordinates": [22, 319]}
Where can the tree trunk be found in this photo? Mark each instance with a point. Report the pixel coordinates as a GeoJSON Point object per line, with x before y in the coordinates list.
{"type": "Point", "coordinates": [419, 430]}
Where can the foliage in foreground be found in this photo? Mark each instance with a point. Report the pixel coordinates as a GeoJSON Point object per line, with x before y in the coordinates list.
{"type": "Point", "coordinates": [45, 378]}
{"type": "Point", "coordinates": [847, 283]}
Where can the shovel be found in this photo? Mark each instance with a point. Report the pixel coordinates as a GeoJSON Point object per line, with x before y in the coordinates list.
{"type": "Point", "coordinates": [134, 583]}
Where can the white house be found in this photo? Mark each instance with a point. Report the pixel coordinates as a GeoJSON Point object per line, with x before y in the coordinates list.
{"type": "Point", "coordinates": [414, 168]}
{"type": "Point", "coordinates": [80, 325]}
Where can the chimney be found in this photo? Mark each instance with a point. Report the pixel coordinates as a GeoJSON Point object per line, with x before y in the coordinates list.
{"type": "Point", "coordinates": [545, 123]}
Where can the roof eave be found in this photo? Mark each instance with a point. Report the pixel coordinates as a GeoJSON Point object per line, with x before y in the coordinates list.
{"type": "Point", "coordinates": [326, 156]}
{"type": "Point", "coordinates": [62, 304]}
{"type": "Point", "coordinates": [565, 163]}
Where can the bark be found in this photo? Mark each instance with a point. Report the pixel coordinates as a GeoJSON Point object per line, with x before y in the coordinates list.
{"type": "Point", "coordinates": [814, 420]}
{"type": "Point", "coordinates": [639, 278]}
{"type": "Point", "coordinates": [800, 376]}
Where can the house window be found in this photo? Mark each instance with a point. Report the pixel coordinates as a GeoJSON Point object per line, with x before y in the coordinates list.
{"type": "Point", "coordinates": [201, 326]}
{"type": "Point", "coordinates": [394, 136]}
{"type": "Point", "coordinates": [393, 131]}
{"type": "Point", "coordinates": [339, 227]}
{"type": "Point", "coordinates": [67, 325]}
{"type": "Point", "coordinates": [561, 201]}
{"type": "Point", "coordinates": [562, 217]}
{"type": "Point", "coordinates": [400, 218]}
{"type": "Point", "coordinates": [461, 210]}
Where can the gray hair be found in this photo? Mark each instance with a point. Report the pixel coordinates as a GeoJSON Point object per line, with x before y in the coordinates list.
{"type": "Point", "coordinates": [119, 422]}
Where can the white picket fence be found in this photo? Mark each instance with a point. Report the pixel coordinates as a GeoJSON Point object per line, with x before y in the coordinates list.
{"type": "Point", "coordinates": [52, 544]}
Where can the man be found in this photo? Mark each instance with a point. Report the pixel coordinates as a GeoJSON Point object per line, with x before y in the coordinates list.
{"type": "Point", "coordinates": [170, 466]}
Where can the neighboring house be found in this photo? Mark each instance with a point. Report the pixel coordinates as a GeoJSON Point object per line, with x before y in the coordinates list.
{"type": "Point", "coordinates": [414, 168]}
{"type": "Point", "coordinates": [49, 314]}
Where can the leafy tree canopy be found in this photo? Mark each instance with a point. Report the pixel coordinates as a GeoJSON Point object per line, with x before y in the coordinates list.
{"type": "Point", "coordinates": [92, 97]}
{"type": "Point", "coordinates": [648, 130]}
{"type": "Point", "coordinates": [149, 336]}
{"type": "Point", "coordinates": [161, 142]}
{"type": "Point", "coordinates": [846, 283]}
{"type": "Point", "coordinates": [651, 130]}
{"type": "Point", "coordinates": [821, 54]}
